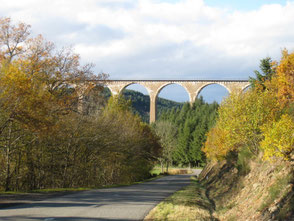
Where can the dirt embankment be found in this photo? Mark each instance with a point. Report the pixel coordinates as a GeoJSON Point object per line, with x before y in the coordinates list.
{"type": "Point", "coordinates": [260, 191]}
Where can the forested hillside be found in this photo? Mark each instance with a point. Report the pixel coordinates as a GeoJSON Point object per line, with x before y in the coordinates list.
{"type": "Point", "coordinates": [141, 103]}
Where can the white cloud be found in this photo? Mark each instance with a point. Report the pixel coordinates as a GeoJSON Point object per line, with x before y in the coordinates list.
{"type": "Point", "coordinates": [153, 39]}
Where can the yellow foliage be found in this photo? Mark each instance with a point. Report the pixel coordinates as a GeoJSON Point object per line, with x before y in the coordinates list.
{"type": "Point", "coordinates": [25, 96]}
{"type": "Point", "coordinates": [240, 119]}
{"type": "Point", "coordinates": [215, 146]}
{"type": "Point", "coordinates": [278, 138]}
{"type": "Point", "coordinates": [253, 119]}
{"type": "Point", "coordinates": [285, 79]}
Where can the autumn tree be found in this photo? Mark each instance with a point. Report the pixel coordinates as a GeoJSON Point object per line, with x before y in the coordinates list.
{"type": "Point", "coordinates": [135, 146]}
{"type": "Point", "coordinates": [35, 93]}
{"type": "Point", "coordinates": [241, 117]}
{"type": "Point", "coordinates": [12, 39]}
{"type": "Point", "coordinates": [167, 133]}
{"type": "Point", "coordinates": [278, 134]}
{"type": "Point", "coordinates": [278, 138]}
{"type": "Point", "coordinates": [260, 119]}
{"type": "Point", "coordinates": [285, 79]}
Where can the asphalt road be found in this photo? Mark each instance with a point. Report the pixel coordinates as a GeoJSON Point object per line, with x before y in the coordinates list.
{"type": "Point", "coordinates": [120, 203]}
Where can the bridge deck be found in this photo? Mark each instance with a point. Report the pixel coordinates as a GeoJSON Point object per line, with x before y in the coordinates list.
{"type": "Point", "coordinates": [169, 80]}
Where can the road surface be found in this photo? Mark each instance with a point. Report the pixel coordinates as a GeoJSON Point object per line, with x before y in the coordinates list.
{"type": "Point", "coordinates": [120, 203]}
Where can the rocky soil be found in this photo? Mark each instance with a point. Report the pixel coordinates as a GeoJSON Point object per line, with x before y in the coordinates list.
{"type": "Point", "coordinates": [264, 191]}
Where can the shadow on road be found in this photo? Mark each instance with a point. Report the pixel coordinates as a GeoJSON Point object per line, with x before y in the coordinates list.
{"type": "Point", "coordinates": [28, 218]}
{"type": "Point", "coordinates": [119, 203]}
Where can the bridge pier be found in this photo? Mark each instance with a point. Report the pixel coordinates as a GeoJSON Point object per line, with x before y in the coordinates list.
{"type": "Point", "coordinates": [153, 109]}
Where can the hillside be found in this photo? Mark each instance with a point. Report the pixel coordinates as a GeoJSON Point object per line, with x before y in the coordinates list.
{"type": "Point", "coordinates": [223, 192]}
{"type": "Point", "coordinates": [141, 103]}
{"type": "Point", "coordinates": [265, 193]}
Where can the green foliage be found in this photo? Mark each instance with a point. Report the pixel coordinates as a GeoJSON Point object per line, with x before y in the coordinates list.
{"type": "Point", "coordinates": [167, 132]}
{"type": "Point", "coordinates": [192, 123]}
{"type": "Point", "coordinates": [266, 67]}
{"type": "Point", "coordinates": [244, 157]}
{"type": "Point", "coordinates": [141, 103]}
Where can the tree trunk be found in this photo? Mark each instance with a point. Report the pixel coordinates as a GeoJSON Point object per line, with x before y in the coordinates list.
{"type": "Point", "coordinates": [7, 178]}
{"type": "Point", "coordinates": [167, 165]}
{"type": "Point", "coordinates": [161, 164]}
{"type": "Point", "coordinates": [8, 145]}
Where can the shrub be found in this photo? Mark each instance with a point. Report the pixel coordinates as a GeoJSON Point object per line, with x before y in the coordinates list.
{"type": "Point", "coordinates": [278, 138]}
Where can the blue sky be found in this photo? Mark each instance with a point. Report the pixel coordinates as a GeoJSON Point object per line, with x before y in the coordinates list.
{"type": "Point", "coordinates": [164, 39]}
{"type": "Point", "coordinates": [235, 4]}
{"type": "Point", "coordinates": [244, 5]}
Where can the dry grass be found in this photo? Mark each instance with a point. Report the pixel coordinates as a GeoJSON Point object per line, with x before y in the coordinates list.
{"type": "Point", "coordinates": [179, 171]}
{"type": "Point", "coordinates": [171, 171]}
{"type": "Point", "coordinates": [190, 203]}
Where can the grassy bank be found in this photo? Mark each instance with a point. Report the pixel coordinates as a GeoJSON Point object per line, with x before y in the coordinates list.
{"type": "Point", "coordinates": [190, 203]}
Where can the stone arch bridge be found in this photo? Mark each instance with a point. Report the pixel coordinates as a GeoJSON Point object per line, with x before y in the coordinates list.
{"type": "Point", "coordinates": [193, 88]}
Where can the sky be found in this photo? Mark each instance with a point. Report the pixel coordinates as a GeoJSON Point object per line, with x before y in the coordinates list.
{"type": "Point", "coordinates": [164, 39]}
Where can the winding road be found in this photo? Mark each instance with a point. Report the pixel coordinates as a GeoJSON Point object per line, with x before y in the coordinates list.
{"type": "Point", "coordinates": [120, 203]}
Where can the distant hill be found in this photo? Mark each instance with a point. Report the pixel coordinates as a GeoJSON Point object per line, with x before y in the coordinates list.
{"type": "Point", "coordinates": [141, 104]}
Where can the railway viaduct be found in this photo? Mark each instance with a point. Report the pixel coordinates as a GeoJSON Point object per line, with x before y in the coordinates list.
{"type": "Point", "coordinates": [193, 88]}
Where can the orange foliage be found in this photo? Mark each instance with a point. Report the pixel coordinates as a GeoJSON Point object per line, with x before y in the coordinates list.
{"type": "Point", "coordinates": [285, 79]}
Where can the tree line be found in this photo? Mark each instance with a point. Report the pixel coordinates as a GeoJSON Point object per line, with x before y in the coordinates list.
{"type": "Point", "coordinates": [57, 130]}
{"type": "Point", "coordinates": [182, 132]}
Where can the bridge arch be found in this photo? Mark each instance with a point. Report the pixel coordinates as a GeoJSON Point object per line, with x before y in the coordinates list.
{"type": "Point", "coordinates": [211, 83]}
{"type": "Point", "coordinates": [139, 96]}
{"type": "Point", "coordinates": [135, 83]}
{"type": "Point", "coordinates": [172, 83]}
{"type": "Point", "coordinates": [201, 88]}
{"type": "Point", "coordinates": [116, 89]}
{"type": "Point", "coordinates": [177, 87]}
{"type": "Point", "coordinates": [246, 87]}
{"type": "Point", "coordinates": [106, 87]}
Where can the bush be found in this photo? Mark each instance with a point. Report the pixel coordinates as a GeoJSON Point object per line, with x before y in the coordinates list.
{"type": "Point", "coordinates": [278, 138]}
{"type": "Point", "coordinates": [244, 157]}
